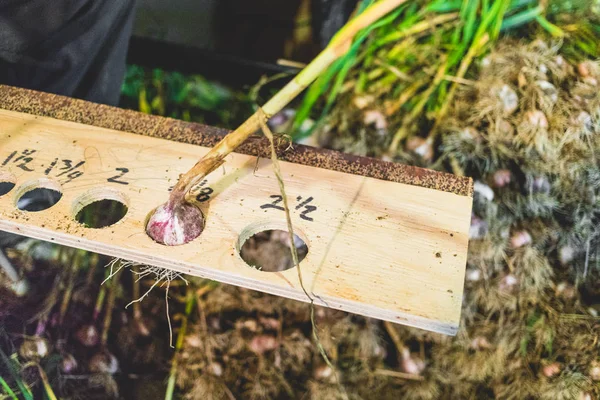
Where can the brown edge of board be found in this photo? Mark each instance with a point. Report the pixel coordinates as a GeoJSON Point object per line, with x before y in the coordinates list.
{"type": "Point", "coordinates": [100, 115]}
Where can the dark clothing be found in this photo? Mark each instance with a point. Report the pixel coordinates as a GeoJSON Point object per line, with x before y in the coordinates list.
{"type": "Point", "coordinates": [328, 16]}
{"type": "Point", "coordinates": [76, 48]}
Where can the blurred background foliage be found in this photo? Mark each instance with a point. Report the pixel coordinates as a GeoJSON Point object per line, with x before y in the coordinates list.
{"type": "Point", "coordinates": [411, 63]}
{"type": "Point", "coordinates": [408, 65]}
{"type": "Point", "coordinates": [188, 97]}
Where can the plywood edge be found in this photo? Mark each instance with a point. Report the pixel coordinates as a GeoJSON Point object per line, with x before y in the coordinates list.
{"type": "Point", "coordinates": [448, 328]}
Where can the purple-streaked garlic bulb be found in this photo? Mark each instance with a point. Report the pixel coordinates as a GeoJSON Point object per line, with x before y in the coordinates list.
{"type": "Point", "coordinates": [104, 362]}
{"type": "Point", "coordinates": [508, 98]}
{"type": "Point", "coordinates": [478, 228]}
{"type": "Point", "coordinates": [88, 335]}
{"type": "Point", "coordinates": [262, 343]}
{"type": "Point", "coordinates": [484, 191]}
{"type": "Point", "coordinates": [551, 370]}
{"type": "Point", "coordinates": [324, 373]}
{"type": "Point", "coordinates": [508, 283]}
{"type": "Point", "coordinates": [375, 118]}
{"type": "Point", "coordinates": [566, 291]}
{"type": "Point", "coordinates": [421, 147]}
{"type": "Point", "coordinates": [566, 254]}
{"type": "Point", "coordinates": [584, 120]}
{"type": "Point", "coordinates": [537, 119]}
{"type": "Point", "coordinates": [480, 343]}
{"type": "Point", "coordinates": [473, 275]}
{"type": "Point", "coordinates": [215, 369]}
{"type": "Point", "coordinates": [34, 348]}
{"type": "Point", "coordinates": [501, 178]}
{"type": "Point", "coordinates": [520, 239]}
{"type": "Point", "coordinates": [410, 363]}
{"type": "Point", "coordinates": [539, 184]}
{"type": "Point", "coordinates": [68, 364]}
{"type": "Point", "coordinates": [175, 224]}
{"type": "Point", "coordinates": [595, 370]}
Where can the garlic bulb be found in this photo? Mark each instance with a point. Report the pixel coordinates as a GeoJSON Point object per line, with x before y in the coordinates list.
{"type": "Point", "coordinates": [175, 225]}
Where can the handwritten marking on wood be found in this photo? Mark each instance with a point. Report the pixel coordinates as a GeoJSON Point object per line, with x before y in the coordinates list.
{"type": "Point", "coordinates": [377, 248]}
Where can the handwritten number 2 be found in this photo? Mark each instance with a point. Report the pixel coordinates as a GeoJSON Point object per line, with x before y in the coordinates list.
{"type": "Point", "coordinates": [115, 178]}
{"type": "Point", "coordinates": [278, 199]}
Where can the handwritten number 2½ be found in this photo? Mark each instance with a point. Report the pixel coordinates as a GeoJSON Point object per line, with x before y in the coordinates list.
{"type": "Point", "coordinates": [308, 208]}
{"type": "Point", "coordinates": [115, 178]}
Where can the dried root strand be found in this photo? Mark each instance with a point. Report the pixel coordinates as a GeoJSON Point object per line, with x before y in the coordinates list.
{"type": "Point", "coordinates": [277, 170]}
{"type": "Point", "coordinates": [160, 276]}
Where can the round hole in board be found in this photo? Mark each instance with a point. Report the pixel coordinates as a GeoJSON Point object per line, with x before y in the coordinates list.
{"type": "Point", "coordinates": [7, 182]}
{"type": "Point", "coordinates": [100, 207]}
{"type": "Point", "coordinates": [38, 195]}
{"type": "Point", "coordinates": [266, 247]}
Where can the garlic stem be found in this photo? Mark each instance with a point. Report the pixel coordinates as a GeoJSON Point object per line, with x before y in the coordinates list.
{"type": "Point", "coordinates": [338, 46]}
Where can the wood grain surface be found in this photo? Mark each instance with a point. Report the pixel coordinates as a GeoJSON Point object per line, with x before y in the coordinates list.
{"type": "Point", "coordinates": [382, 249]}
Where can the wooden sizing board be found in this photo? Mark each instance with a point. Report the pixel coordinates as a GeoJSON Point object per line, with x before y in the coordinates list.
{"type": "Point", "coordinates": [383, 249]}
